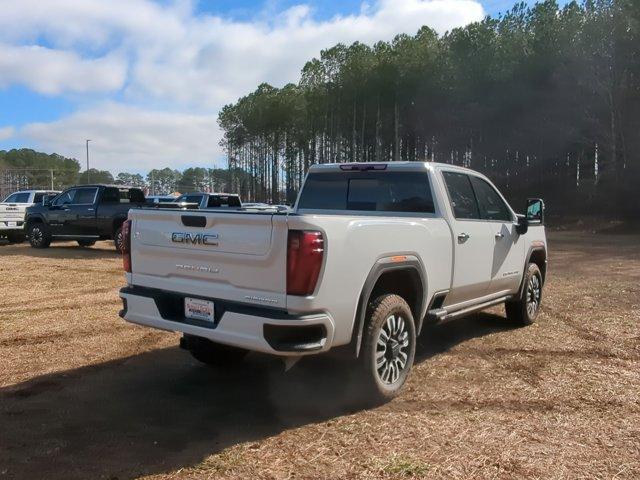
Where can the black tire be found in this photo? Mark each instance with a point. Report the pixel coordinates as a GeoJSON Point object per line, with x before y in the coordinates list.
{"type": "Point", "coordinates": [118, 239]}
{"type": "Point", "coordinates": [525, 309]}
{"type": "Point", "coordinates": [39, 235]}
{"type": "Point", "coordinates": [86, 243]}
{"type": "Point", "coordinates": [15, 237]}
{"type": "Point", "coordinates": [213, 354]}
{"type": "Point", "coordinates": [388, 348]}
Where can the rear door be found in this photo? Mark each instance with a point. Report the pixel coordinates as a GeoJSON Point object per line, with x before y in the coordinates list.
{"type": "Point", "coordinates": [472, 241]}
{"type": "Point", "coordinates": [231, 256]}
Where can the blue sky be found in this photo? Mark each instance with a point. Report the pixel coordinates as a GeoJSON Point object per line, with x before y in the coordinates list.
{"type": "Point", "coordinates": [145, 79]}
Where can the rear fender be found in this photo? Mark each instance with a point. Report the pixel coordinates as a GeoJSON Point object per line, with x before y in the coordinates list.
{"type": "Point", "coordinates": [385, 265]}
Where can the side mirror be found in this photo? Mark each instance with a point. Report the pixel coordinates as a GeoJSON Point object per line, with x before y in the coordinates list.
{"type": "Point", "coordinates": [534, 216]}
{"type": "Point", "coordinates": [535, 211]}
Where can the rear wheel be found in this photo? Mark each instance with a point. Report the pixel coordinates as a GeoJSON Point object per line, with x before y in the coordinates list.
{"type": "Point", "coordinates": [388, 348]}
{"type": "Point", "coordinates": [15, 237]}
{"type": "Point", "coordinates": [86, 243]}
{"type": "Point", "coordinates": [211, 353]}
{"type": "Point", "coordinates": [524, 310]}
{"type": "Point", "coordinates": [39, 235]}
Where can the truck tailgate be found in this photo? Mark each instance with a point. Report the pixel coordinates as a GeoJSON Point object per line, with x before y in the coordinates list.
{"type": "Point", "coordinates": [12, 211]}
{"type": "Point", "coordinates": [237, 257]}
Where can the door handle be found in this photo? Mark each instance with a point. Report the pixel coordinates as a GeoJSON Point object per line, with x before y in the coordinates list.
{"type": "Point", "coordinates": [463, 237]}
{"type": "Point", "coordinates": [499, 236]}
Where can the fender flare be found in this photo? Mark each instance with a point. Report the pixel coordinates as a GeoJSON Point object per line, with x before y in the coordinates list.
{"type": "Point", "coordinates": [385, 265]}
{"type": "Point", "coordinates": [37, 216]}
{"type": "Point", "coordinates": [527, 261]}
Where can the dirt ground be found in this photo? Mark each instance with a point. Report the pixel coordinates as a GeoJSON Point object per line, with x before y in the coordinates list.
{"type": "Point", "coordinates": [85, 395]}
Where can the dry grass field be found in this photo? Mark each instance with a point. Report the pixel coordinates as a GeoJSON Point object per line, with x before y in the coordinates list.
{"type": "Point", "coordinates": [85, 395]}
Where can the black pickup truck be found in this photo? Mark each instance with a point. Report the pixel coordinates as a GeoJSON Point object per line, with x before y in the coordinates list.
{"type": "Point", "coordinates": [84, 213]}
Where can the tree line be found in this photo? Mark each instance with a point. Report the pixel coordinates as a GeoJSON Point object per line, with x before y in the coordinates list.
{"type": "Point", "coordinates": [26, 168]}
{"type": "Point", "coordinates": [543, 99]}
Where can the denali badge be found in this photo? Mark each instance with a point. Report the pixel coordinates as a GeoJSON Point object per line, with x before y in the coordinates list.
{"type": "Point", "coordinates": [195, 238]}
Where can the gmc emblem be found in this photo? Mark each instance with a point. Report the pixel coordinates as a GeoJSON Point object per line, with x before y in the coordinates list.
{"type": "Point", "coordinates": [195, 238]}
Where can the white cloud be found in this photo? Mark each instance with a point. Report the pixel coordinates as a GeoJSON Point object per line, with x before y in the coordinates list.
{"type": "Point", "coordinates": [125, 138]}
{"type": "Point", "coordinates": [185, 62]}
{"type": "Point", "coordinates": [6, 133]}
{"type": "Point", "coordinates": [50, 72]}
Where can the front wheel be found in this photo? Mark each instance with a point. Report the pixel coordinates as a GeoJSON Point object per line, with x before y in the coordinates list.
{"type": "Point", "coordinates": [524, 310]}
{"type": "Point", "coordinates": [388, 348]}
{"type": "Point", "coordinates": [39, 235]}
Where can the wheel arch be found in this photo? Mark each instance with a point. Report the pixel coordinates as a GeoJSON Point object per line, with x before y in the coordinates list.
{"type": "Point", "coordinates": [30, 220]}
{"type": "Point", "coordinates": [406, 278]}
{"type": "Point", "coordinates": [538, 255]}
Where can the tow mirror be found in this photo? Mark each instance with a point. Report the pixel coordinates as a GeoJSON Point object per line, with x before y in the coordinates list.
{"type": "Point", "coordinates": [535, 211]}
{"type": "Point", "coordinates": [534, 216]}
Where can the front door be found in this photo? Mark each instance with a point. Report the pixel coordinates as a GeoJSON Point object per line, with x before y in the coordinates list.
{"type": "Point", "coordinates": [83, 212]}
{"type": "Point", "coordinates": [472, 240]}
{"type": "Point", "coordinates": [508, 249]}
{"type": "Point", "coordinates": [60, 216]}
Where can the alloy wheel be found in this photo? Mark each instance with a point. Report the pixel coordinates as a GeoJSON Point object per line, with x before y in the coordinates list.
{"type": "Point", "coordinates": [392, 349]}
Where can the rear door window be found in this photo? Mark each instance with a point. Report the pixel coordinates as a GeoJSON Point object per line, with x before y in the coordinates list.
{"type": "Point", "coordinates": [85, 196]}
{"type": "Point", "coordinates": [408, 192]}
{"type": "Point", "coordinates": [461, 195]}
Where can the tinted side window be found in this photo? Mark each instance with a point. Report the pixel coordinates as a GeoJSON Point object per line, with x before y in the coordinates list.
{"type": "Point", "coordinates": [65, 197]}
{"type": "Point", "coordinates": [190, 199]}
{"type": "Point", "coordinates": [110, 195]}
{"type": "Point", "coordinates": [463, 200]}
{"type": "Point", "coordinates": [368, 191]}
{"type": "Point", "coordinates": [84, 196]}
{"type": "Point", "coordinates": [37, 198]}
{"type": "Point", "coordinates": [11, 198]}
{"type": "Point", "coordinates": [492, 207]}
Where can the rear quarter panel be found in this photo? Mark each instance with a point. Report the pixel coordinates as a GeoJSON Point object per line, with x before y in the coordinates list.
{"type": "Point", "coordinates": [353, 245]}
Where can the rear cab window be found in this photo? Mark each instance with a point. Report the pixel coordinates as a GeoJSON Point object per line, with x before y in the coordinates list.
{"type": "Point", "coordinates": [21, 197]}
{"type": "Point", "coordinates": [368, 191]}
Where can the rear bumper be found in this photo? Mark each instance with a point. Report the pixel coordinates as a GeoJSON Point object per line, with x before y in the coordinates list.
{"type": "Point", "coordinates": [257, 329]}
{"type": "Point", "coordinates": [4, 225]}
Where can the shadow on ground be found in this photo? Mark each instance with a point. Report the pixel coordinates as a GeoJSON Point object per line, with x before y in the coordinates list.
{"type": "Point", "coordinates": [64, 250]}
{"type": "Point", "coordinates": [160, 411]}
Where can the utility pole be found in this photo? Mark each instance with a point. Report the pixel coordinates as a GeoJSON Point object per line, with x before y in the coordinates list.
{"type": "Point", "coordinates": [51, 179]}
{"type": "Point", "coordinates": [88, 175]}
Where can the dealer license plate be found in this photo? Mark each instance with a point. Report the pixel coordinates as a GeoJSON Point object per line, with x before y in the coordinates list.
{"type": "Point", "coordinates": [198, 309]}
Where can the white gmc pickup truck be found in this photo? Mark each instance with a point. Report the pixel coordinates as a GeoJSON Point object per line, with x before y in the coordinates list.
{"type": "Point", "coordinates": [13, 210]}
{"type": "Point", "coordinates": [369, 253]}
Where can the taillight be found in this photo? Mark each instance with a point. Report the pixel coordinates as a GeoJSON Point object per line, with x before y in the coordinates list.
{"type": "Point", "coordinates": [305, 250]}
{"type": "Point", "coordinates": [126, 246]}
